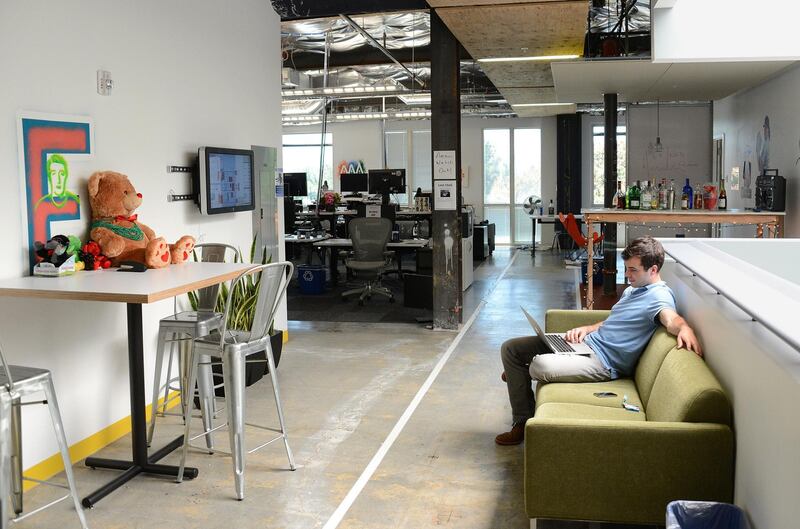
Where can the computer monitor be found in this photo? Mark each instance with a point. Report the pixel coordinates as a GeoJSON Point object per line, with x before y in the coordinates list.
{"type": "Point", "coordinates": [386, 182]}
{"type": "Point", "coordinates": [224, 181]}
{"type": "Point", "coordinates": [354, 182]}
{"type": "Point", "coordinates": [295, 185]}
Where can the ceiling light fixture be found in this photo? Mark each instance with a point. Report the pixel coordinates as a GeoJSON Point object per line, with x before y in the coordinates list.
{"type": "Point", "coordinates": [542, 104]}
{"type": "Point", "coordinates": [659, 147]}
{"type": "Point", "coordinates": [532, 58]}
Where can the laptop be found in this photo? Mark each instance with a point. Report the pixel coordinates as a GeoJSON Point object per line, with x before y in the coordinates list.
{"type": "Point", "coordinates": [556, 341]}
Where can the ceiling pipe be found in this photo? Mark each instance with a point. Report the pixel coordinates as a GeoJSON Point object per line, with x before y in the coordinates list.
{"type": "Point", "coordinates": [378, 45]}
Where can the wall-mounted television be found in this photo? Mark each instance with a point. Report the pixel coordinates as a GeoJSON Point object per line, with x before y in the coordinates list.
{"type": "Point", "coordinates": [224, 182]}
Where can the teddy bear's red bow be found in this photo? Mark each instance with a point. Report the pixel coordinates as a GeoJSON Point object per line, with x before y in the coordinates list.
{"type": "Point", "coordinates": [132, 218]}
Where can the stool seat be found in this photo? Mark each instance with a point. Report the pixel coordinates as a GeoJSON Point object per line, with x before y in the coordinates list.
{"type": "Point", "coordinates": [237, 342]}
{"type": "Point", "coordinates": [202, 322]}
{"type": "Point", "coordinates": [24, 375]}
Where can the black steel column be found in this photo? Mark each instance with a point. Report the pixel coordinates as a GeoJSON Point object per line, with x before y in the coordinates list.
{"type": "Point", "coordinates": [610, 165]}
{"type": "Point", "coordinates": [446, 136]}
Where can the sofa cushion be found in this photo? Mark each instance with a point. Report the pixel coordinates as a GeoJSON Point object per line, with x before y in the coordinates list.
{"type": "Point", "coordinates": [583, 393]}
{"type": "Point", "coordinates": [570, 411]}
{"type": "Point", "coordinates": [653, 355]}
{"type": "Point", "coordinates": [685, 390]}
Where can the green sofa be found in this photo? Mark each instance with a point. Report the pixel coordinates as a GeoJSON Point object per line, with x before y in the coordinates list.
{"type": "Point", "coordinates": [588, 458]}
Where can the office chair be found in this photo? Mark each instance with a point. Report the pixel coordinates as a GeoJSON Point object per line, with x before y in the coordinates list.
{"type": "Point", "coordinates": [369, 257]}
{"type": "Point", "coordinates": [571, 225]}
{"type": "Point", "coordinates": [17, 382]}
{"type": "Point", "coordinates": [183, 327]}
{"type": "Point", "coordinates": [234, 346]}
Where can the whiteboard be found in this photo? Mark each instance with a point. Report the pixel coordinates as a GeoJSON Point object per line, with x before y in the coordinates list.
{"type": "Point", "coordinates": [686, 136]}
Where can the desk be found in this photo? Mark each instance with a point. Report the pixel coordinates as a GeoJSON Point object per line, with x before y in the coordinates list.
{"type": "Point", "coordinates": [343, 244]}
{"type": "Point", "coordinates": [133, 289]}
{"type": "Point", "coordinates": [544, 219]}
{"type": "Point", "coordinates": [772, 219]}
{"type": "Point", "coordinates": [293, 239]}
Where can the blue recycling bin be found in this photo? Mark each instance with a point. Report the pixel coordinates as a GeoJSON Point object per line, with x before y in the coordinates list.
{"type": "Point", "coordinates": [311, 279]}
{"type": "Point", "coordinates": [684, 514]}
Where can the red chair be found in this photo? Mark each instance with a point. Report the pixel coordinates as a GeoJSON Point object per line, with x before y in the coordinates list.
{"type": "Point", "coordinates": [571, 225]}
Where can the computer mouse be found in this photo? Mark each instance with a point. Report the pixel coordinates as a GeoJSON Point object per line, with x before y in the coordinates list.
{"type": "Point", "coordinates": [132, 266]}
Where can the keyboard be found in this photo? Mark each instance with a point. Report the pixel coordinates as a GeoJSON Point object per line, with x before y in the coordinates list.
{"type": "Point", "coordinates": [559, 344]}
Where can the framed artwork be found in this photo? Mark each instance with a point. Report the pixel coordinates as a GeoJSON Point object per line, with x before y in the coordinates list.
{"type": "Point", "coordinates": [48, 144]}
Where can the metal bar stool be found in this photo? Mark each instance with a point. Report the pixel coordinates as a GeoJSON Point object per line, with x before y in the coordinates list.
{"type": "Point", "coordinates": [234, 346]}
{"type": "Point", "coordinates": [182, 328]}
{"type": "Point", "coordinates": [18, 382]}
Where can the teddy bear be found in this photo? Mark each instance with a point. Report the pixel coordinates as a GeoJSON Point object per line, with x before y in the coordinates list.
{"type": "Point", "coordinates": [115, 228]}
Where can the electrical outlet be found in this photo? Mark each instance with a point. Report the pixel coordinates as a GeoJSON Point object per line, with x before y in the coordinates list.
{"type": "Point", "coordinates": [104, 83]}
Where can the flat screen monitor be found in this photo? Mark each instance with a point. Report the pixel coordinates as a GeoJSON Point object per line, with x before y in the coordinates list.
{"type": "Point", "coordinates": [295, 185]}
{"type": "Point", "coordinates": [354, 182]}
{"type": "Point", "coordinates": [387, 181]}
{"type": "Point", "coordinates": [225, 180]}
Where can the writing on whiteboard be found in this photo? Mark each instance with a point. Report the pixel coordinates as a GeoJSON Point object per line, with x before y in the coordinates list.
{"type": "Point", "coordinates": [668, 160]}
{"type": "Point", "coordinates": [444, 165]}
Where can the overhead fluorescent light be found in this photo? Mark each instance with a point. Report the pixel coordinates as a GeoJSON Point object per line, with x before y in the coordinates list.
{"type": "Point", "coordinates": [416, 99]}
{"type": "Point", "coordinates": [533, 58]}
{"type": "Point", "coordinates": [542, 104]}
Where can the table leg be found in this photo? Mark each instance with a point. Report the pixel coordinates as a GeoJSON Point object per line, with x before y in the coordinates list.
{"type": "Point", "coordinates": [590, 266]}
{"type": "Point", "coordinates": [533, 238]}
{"type": "Point", "coordinates": [334, 263]}
{"type": "Point", "coordinates": [141, 463]}
{"type": "Point", "coordinates": [759, 231]}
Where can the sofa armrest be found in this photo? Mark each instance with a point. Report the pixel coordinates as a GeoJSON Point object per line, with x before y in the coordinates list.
{"type": "Point", "coordinates": [623, 471]}
{"type": "Point", "coordinates": [564, 320]}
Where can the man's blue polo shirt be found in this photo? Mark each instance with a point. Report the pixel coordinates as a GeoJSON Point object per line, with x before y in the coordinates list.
{"type": "Point", "coordinates": [623, 336]}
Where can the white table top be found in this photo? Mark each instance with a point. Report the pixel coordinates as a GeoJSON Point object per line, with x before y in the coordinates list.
{"type": "Point", "coordinates": [297, 240]}
{"type": "Point", "coordinates": [324, 213]}
{"type": "Point", "coordinates": [553, 218]}
{"type": "Point", "coordinates": [411, 213]}
{"type": "Point", "coordinates": [406, 243]}
{"type": "Point", "coordinates": [126, 287]}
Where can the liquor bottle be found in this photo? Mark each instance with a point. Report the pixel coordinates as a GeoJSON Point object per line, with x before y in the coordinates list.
{"type": "Point", "coordinates": [635, 196]}
{"type": "Point", "coordinates": [722, 202]}
{"type": "Point", "coordinates": [628, 194]}
{"type": "Point", "coordinates": [684, 199]}
{"type": "Point", "coordinates": [550, 209]}
{"type": "Point", "coordinates": [619, 199]}
{"type": "Point", "coordinates": [687, 190]}
{"type": "Point", "coordinates": [654, 195]}
{"type": "Point", "coordinates": [698, 197]}
{"type": "Point", "coordinates": [671, 194]}
{"type": "Point", "coordinates": [662, 194]}
{"type": "Point", "coordinates": [646, 196]}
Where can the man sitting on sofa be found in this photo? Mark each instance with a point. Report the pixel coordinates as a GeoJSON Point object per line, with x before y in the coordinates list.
{"type": "Point", "coordinates": [616, 343]}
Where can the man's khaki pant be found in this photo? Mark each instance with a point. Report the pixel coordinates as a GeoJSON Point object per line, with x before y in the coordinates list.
{"type": "Point", "coordinates": [527, 358]}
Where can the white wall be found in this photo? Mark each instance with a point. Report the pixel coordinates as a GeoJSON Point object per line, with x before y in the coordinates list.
{"type": "Point", "coordinates": [362, 140]}
{"type": "Point", "coordinates": [740, 118]}
{"type": "Point", "coordinates": [187, 73]}
{"type": "Point", "coordinates": [709, 30]}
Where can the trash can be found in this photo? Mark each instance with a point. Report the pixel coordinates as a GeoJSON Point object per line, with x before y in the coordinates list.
{"type": "Point", "coordinates": [311, 279]}
{"type": "Point", "coordinates": [598, 271]}
{"type": "Point", "coordinates": [684, 514]}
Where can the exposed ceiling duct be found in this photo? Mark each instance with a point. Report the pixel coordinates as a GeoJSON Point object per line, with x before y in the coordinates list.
{"type": "Point", "coordinates": [300, 9]}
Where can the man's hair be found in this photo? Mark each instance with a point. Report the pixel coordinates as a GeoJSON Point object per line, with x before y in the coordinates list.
{"type": "Point", "coordinates": [647, 249]}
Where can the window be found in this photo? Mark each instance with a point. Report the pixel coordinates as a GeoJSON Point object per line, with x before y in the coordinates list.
{"type": "Point", "coordinates": [397, 157]}
{"type": "Point", "coordinates": [301, 153]}
{"type": "Point", "coordinates": [508, 180]}
{"type": "Point", "coordinates": [598, 156]}
{"type": "Point", "coordinates": [421, 160]}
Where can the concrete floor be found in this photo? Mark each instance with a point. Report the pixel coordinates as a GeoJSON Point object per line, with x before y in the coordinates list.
{"type": "Point", "coordinates": [344, 387]}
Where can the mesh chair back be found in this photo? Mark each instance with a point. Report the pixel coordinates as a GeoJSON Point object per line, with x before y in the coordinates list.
{"type": "Point", "coordinates": [273, 279]}
{"type": "Point", "coordinates": [370, 236]}
{"type": "Point", "coordinates": [213, 253]}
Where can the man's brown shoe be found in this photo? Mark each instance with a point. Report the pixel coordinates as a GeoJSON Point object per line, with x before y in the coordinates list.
{"type": "Point", "coordinates": [513, 437]}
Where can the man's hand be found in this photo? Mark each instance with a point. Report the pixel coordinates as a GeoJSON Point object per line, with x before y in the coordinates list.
{"type": "Point", "coordinates": [687, 339]}
{"type": "Point", "coordinates": [678, 327]}
{"type": "Point", "coordinates": [577, 334]}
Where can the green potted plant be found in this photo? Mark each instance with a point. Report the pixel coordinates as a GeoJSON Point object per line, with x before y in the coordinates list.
{"type": "Point", "coordinates": [243, 309]}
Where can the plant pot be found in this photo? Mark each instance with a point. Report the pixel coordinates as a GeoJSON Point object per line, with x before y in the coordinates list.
{"type": "Point", "coordinates": [252, 371]}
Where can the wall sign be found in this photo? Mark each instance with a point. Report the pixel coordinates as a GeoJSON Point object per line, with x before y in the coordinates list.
{"type": "Point", "coordinates": [444, 165]}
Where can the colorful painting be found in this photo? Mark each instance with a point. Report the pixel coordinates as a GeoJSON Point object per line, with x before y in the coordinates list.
{"type": "Point", "coordinates": [353, 166]}
{"type": "Point", "coordinates": [47, 144]}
